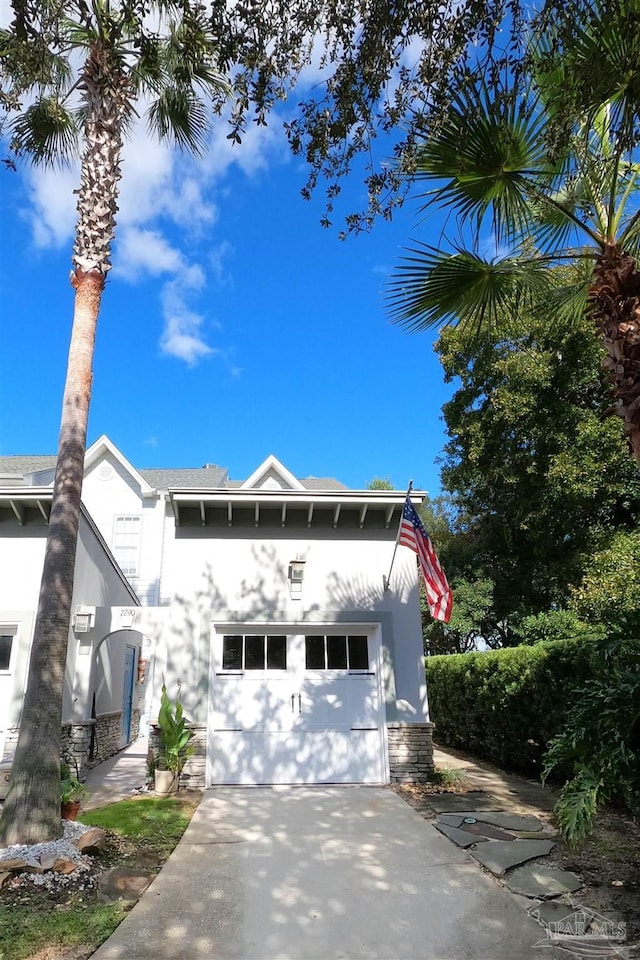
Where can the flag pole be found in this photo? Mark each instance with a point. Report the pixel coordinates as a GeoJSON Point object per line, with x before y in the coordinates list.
{"type": "Point", "coordinates": [386, 580]}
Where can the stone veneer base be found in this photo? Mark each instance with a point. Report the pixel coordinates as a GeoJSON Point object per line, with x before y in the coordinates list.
{"type": "Point", "coordinates": [410, 752]}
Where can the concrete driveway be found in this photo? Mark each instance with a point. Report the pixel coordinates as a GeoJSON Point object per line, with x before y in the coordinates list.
{"type": "Point", "coordinates": [321, 872]}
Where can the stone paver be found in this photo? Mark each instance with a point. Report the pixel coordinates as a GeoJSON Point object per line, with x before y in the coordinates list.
{"type": "Point", "coordinates": [507, 821]}
{"type": "Point", "coordinates": [500, 855]}
{"type": "Point", "coordinates": [460, 837]}
{"type": "Point", "coordinates": [461, 802]}
{"type": "Point", "coordinates": [538, 880]}
{"type": "Point", "coordinates": [486, 830]}
{"type": "Point", "coordinates": [551, 911]}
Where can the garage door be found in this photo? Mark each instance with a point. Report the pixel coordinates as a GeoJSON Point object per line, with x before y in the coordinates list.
{"type": "Point", "coordinates": [296, 708]}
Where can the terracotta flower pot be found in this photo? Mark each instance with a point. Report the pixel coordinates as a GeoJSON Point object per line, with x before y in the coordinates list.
{"type": "Point", "coordinates": [70, 809]}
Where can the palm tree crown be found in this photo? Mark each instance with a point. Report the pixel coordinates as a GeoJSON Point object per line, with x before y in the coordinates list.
{"type": "Point", "coordinates": [490, 167]}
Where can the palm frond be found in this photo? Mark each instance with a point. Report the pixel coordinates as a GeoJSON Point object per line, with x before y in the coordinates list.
{"type": "Point", "coordinates": [47, 132]}
{"type": "Point", "coordinates": [487, 152]}
{"type": "Point", "coordinates": [431, 287]}
{"type": "Point", "coordinates": [595, 60]}
{"type": "Point", "coordinates": [568, 301]}
{"type": "Point", "coordinates": [179, 114]}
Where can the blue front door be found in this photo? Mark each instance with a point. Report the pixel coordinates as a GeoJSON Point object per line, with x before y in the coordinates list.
{"type": "Point", "coordinates": [127, 693]}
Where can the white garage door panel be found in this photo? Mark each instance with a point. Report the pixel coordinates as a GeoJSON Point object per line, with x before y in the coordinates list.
{"type": "Point", "coordinates": [252, 703]}
{"type": "Point", "coordinates": [296, 757]}
{"type": "Point", "coordinates": [298, 723]}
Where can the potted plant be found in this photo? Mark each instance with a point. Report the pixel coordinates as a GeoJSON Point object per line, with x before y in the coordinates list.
{"type": "Point", "coordinates": [174, 740]}
{"type": "Point", "coordinates": [72, 793]}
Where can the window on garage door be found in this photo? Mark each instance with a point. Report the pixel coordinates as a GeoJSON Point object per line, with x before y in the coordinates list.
{"type": "Point", "coordinates": [254, 652]}
{"type": "Point", "coordinates": [341, 652]}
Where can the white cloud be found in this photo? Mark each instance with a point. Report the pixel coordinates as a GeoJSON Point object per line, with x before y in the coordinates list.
{"type": "Point", "coordinates": [145, 251]}
{"type": "Point", "coordinates": [182, 336]}
{"type": "Point", "coordinates": [53, 205]}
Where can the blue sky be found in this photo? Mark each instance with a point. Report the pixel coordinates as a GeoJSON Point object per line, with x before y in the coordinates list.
{"type": "Point", "coordinates": [233, 325]}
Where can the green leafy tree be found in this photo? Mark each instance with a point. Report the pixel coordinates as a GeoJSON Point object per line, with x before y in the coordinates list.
{"type": "Point", "coordinates": [538, 477]}
{"type": "Point", "coordinates": [128, 52]}
{"type": "Point", "coordinates": [471, 625]}
{"type": "Point", "coordinates": [489, 164]}
{"type": "Point", "coordinates": [380, 483]}
{"type": "Point", "coordinates": [609, 590]}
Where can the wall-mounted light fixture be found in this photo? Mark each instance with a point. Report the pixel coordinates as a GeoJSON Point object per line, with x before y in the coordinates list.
{"type": "Point", "coordinates": [84, 619]}
{"type": "Point", "coordinates": [296, 576]}
{"type": "Point", "coordinates": [296, 571]}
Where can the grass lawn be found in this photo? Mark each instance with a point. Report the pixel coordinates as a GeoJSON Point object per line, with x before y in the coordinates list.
{"type": "Point", "coordinates": [67, 920]}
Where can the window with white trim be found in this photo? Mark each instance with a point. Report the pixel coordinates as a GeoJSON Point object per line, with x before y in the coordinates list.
{"type": "Point", "coordinates": [253, 652]}
{"type": "Point", "coordinates": [7, 638]}
{"type": "Point", "coordinates": [127, 533]}
{"type": "Point", "coordinates": [336, 652]}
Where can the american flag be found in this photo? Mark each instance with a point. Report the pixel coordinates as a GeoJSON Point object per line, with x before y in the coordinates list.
{"type": "Point", "coordinates": [412, 534]}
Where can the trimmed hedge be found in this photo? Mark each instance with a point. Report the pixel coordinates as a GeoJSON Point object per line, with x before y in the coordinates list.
{"type": "Point", "coordinates": [506, 705]}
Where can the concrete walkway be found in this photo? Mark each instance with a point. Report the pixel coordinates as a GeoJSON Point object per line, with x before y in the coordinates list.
{"type": "Point", "coordinates": [321, 872]}
{"type": "Point", "coordinates": [512, 792]}
{"type": "Point", "coordinates": [118, 777]}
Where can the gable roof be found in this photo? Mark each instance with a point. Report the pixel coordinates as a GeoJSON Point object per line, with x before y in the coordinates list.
{"type": "Point", "coordinates": [104, 445]}
{"type": "Point", "coordinates": [272, 475]}
{"type": "Point", "coordinates": [38, 471]}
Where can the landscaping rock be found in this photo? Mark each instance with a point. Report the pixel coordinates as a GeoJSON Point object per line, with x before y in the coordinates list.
{"type": "Point", "coordinates": [500, 855]}
{"type": "Point", "coordinates": [459, 837]}
{"type": "Point", "coordinates": [540, 881]}
{"type": "Point", "coordinates": [32, 865]}
{"type": "Point", "coordinates": [146, 860]}
{"type": "Point", "coordinates": [123, 883]}
{"type": "Point", "coordinates": [64, 866]}
{"type": "Point", "coordinates": [93, 841]}
{"type": "Point", "coordinates": [16, 865]}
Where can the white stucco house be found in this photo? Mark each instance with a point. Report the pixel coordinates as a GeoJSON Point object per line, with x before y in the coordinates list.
{"type": "Point", "coordinates": [266, 600]}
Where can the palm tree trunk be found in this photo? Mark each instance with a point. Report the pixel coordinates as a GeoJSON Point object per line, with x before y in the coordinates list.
{"type": "Point", "coordinates": [614, 300]}
{"type": "Point", "coordinates": [32, 807]}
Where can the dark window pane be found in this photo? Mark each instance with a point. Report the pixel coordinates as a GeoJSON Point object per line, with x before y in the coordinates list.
{"type": "Point", "coordinates": [5, 652]}
{"type": "Point", "coordinates": [254, 653]}
{"type": "Point", "coordinates": [276, 653]}
{"type": "Point", "coordinates": [314, 653]}
{"type": "Point", "coordinates": [232, 653]}
{"type": "Point", "coordinates": [358, 653]}
{"type": "Point", "coordinates": [337, 653]}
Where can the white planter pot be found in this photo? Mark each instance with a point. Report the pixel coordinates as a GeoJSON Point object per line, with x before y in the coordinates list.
{"type": "Point", "coordinates": [166, 782]}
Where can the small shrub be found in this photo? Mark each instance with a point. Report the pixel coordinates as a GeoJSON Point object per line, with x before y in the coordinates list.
{"type": "Point", "coordinates": [600, 742]}
{"type": "Point", "coordinates": [447, 777]}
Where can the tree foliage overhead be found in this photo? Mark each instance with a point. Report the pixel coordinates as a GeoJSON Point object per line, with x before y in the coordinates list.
{"type": "Point", "coordinates": [384, 75]}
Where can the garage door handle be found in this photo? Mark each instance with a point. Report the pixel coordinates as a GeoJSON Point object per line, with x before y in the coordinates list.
{"type": "Point", "coordinates": [299, 703]}
{"type": "Point", "coordinates": [293, 697]}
